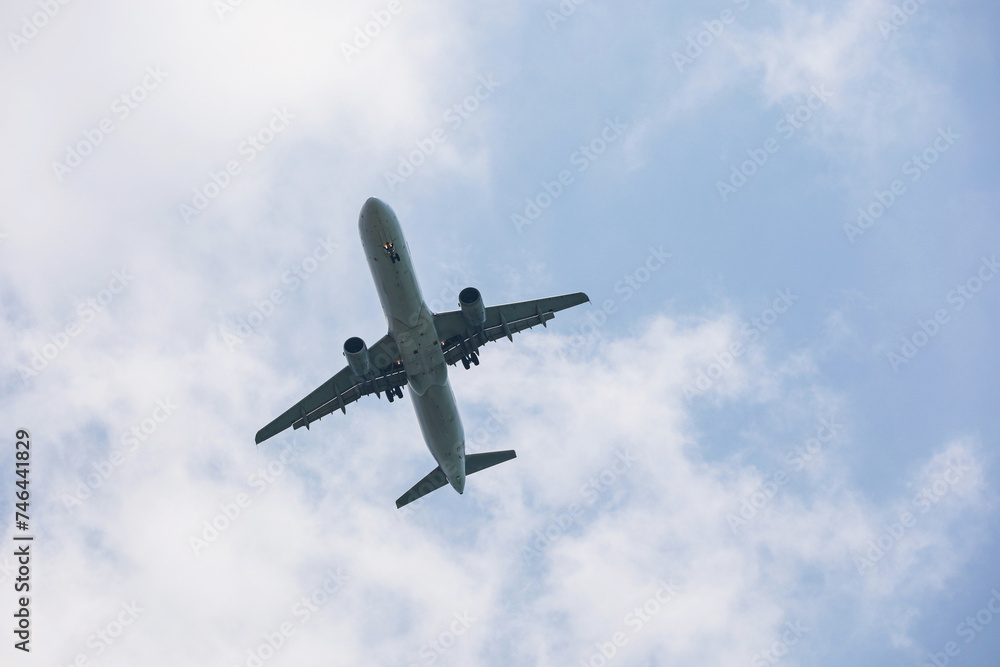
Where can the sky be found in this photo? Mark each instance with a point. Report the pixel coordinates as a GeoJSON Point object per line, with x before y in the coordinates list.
{"type": "Point", "coordinates": [769, 439]}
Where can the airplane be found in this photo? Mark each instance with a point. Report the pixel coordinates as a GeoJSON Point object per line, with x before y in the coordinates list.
{"type": "Point", "coordinates": [416, 352]}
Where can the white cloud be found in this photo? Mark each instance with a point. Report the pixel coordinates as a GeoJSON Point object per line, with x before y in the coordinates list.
{"type": "Point", "coordinates": [838, 48]}
{"type": "Point", "coordinates": [610, 431]}
{"type": "Point", "coordinates": [609, 428]}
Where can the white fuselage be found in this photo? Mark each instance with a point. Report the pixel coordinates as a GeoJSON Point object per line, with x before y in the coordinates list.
{"type": "Point", "coordinates": [411, 325]}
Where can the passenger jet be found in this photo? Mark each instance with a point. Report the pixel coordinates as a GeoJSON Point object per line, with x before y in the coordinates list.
{"type": "Point", "coordinates": [416, 353]}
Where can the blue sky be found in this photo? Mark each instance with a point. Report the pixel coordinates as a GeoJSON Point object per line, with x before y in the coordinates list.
{"type": "Point", "coordinates": [770, 439]}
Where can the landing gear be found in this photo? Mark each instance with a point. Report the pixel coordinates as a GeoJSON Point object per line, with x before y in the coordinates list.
{"type": "Point", "coordinates": [393, 255]}
{"type": "Point", "coordinates": [469, 359]}
{"type": "Point", "coordinates": [391, 395]}
{"type": "Point", "coordinates": [399, 392]}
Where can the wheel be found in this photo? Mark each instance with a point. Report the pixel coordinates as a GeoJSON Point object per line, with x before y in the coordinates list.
{"type": "Point", "coordinates": [390, 396]}
{"type": "Point", "coordinates": [399, 392]}
{"type": "Point", "coordinates": [465, 362]}
{"type": "Point", "coordinates": [475, 358]}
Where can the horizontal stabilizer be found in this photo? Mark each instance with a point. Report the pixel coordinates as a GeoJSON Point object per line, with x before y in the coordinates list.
{"type": "Point", "coordinates": [435, 479]}
{"type": "Point", "coordinates": [477, 462]}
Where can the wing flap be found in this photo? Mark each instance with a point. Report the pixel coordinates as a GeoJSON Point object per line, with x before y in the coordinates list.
{"type": "Point", "coordinates": [526, 309]}
{"type": "Point", "coordinates": [501, 321]}
{"type": "Point", "coordinates": [342, 389]}
{"type": "Point", "coordinates": [377, 384]}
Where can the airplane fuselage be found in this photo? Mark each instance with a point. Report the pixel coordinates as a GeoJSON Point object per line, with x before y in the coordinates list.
{"type": "Point", "coordinates": [416, 352]}
{"type": "Point", "coordinates": [411, 326]}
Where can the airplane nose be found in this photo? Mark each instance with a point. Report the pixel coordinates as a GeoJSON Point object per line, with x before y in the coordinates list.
{"type": "Point", "coordinates": [369, 214]}
{"type": "Point", "coordinates": [374, 211]}
{"type": "Point", "coordinates": [373, 208]}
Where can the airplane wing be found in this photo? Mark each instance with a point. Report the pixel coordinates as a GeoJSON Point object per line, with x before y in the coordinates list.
{"type": "Point", "coordinates": [501, 321]}
{"type": "Point", "coordinates": [343, 388]}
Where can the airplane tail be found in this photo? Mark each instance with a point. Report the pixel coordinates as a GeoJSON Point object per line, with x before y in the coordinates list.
{"type": "Point", "coordinates": [435, 479]}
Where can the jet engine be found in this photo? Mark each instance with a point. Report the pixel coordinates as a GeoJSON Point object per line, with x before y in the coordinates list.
{"type": "Point", "coordinates": [357, 356]}
{"type": "Point", "coordinates": [473, 310]}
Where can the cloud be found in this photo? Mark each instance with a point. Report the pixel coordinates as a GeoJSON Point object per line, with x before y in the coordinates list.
{"type": "Point", "coordinates": [645, 514]}
{"type": "Point", "coordinates": [611, 499]}
{"type": "Point", "coordinates": [786, 50]}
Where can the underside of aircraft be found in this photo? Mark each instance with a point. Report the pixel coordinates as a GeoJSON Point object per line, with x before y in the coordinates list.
{"type": "Point", "coordinates": [416, 353]}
